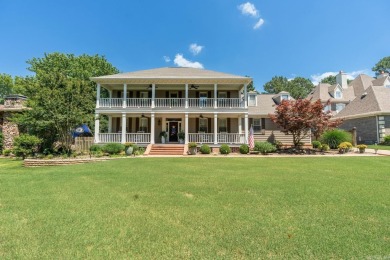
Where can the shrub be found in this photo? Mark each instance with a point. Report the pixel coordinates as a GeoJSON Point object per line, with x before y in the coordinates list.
{"type": "Point", "coordinates": [324, 147]}
{"type": "Point", "coordinates": [6, 152]}
{"type": "Point", "coordinates": [224, 149]}
{"type": "Point", "coordinates": [192, 145]}
{"type": "Point", "coordinates": [205, 149]}
{"type": "Point", "coordinates": [316, 144]}
{"type": "Point", "coordinates": [113, 148]}
{"type": "Point", "coordinates": [95, 148]}
{"type": "Point", "coordinates": [386, 140]}
{"type": "Point", "coordinates": [361, 146]}
{"type": "Point", "coordinates": [264, 147]}
{"type": "Point", "coordinates": [335, 137]}
{"type": "Point", "coordinates": [346, 146]}
{"type": "Point", "coordinates": [25, 145]}
{"type": "Point", "coordinates": [244, 149]}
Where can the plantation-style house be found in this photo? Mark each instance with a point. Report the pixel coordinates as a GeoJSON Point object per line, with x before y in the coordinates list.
{"type": "Point", "coordinates": [203, 106]}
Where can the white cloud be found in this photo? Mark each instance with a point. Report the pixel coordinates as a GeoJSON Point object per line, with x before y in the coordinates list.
{"type": "Point", "coordinates": [248, 9]}
{"type": "Point", "coordinates": [195, 48]}
{"type": "Point", "coordinates": [258, 24]}
{"type": "Point", "coordinates": [316, 78]}
{"type": "Point", "coordinates": [167, 59]}
{"type": "Point", "coordinates": [183, 62]}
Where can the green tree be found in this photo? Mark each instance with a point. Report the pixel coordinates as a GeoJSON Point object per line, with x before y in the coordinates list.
{"type": "Point", "coordinates": [331, 79]}
{"type": "Point", "coordinates": [250, 86]}
{"type": "Point", "coordinates": [298, 87]}
{"type": "Point", "coordinates": [60, 95]}
{"type": "Point", "coordinates": [25, 145]}
{"type": "Point", "coordinates": [6, 85]}
{"type": "Point", "coordinates": [382, 65]}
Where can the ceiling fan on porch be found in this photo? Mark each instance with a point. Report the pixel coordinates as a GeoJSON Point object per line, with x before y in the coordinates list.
{"type": "Point", "coordinates": [194, 87]}
{"type": "Point", "coordinates": [150, 87]}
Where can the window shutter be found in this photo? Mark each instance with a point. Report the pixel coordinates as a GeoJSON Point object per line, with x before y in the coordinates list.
{"type": "Point", "coordinates": [263, 123]}
{"type": "Point", "coordinates": [131, 94]}
{"type": "Point", "coordinates": [250, 122]}
{"type": "Point", "coordinates": [228, 94]}
{"type": "Point", "coordinates": [197, 125]}
{"type": "Point", "coordinates": [150, 94]}
{"type": "Point", "coordinates": [130, 124]}
{"type": "Point", "coordinates": [209, 125]}
{"type": "Point", "coordinates": [118, 124]}
{"type": "Point", "coordinates": [137, 124]}
{"type": "Point", "coordinates": [119, 94]}
{"type": "Point", "coordinates": [138, 94]}
{"type": "Point", "coordinates": [197, 94]}
{"type": "Point", "coordinates": [209, 94]}
{"type": "Point", "coordinates": [167, 94]}
{"type": "Point", "coordinates": [180, 94]}
{"type": "Point", "coordinates": [149, 125]}
{"type": "Point", "coordinates": [228, 125]}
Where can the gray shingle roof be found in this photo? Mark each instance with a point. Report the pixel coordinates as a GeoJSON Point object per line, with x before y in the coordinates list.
{"type": "Point", "coordinates": [375, 102]}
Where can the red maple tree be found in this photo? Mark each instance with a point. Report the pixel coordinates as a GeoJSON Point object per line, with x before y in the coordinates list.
{"type": "Point", "coordinates": [302, 117]}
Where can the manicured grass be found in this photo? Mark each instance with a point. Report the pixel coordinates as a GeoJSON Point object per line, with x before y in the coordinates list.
{"type": "Point", "coordinates": [200, 208]}
{"type": "Point", "coordinates": [380, 147]}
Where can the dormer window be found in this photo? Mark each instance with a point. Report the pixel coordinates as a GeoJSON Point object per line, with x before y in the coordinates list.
{"type": "Point", "coordinates": [252, 100]}
{"type": "Point", "coordinates": [338, 94]}
{"type": "Point", "coordinates": [284, 97]}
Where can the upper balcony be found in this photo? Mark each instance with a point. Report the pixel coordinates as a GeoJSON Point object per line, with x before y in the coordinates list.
{"type": "Point", "coordinates": [171, 103]}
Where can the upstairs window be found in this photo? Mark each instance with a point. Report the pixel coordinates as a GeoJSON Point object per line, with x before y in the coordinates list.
{"type": "Point", "coordinates": [252, 100]}
{"type": "Point", "coordinates": [284, 97]}
{"type": "Point", "coordinates": [338, 94]}
{"type": "Point", "coordinates": [339, 107]}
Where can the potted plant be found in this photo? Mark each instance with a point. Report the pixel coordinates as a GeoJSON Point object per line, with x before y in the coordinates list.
{"type": "Point", "coordinates": [192, 148]}
{"type": "Point", "coordinates": [362, 148]}
{"type": "Point", "coordinates": [181, 136]}
{"type": "Point", "coordinates": [129, 148]}
{"type": "Point", "coordinates": [343, 147]}
{"type": "Point", "coordinates": [163, 136]}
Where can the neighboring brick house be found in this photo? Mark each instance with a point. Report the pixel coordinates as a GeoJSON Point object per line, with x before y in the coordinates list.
{"type": "Point", "coordinates": [369, 113]}
{"type": "Point", "coordinates": [12, 104]}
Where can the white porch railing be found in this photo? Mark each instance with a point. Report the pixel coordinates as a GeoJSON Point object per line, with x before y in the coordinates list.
{"type": "Point", "coordinates": [229, 102]}
{"type": "Point", "coordinates": [111, 102]}
{"type": "Point", "coordinates": [201, 138]}
{"type": "Point", "coordinates": [138, 102]}
{"type": "Point", "coordinates": [231, 138]}
{"type": "Point", "coordinates": [170, 102]}
{"type": "Point", "coordinates": [138, 138]}
{"type": "Point", "coordinates": [201, 102]}
{"type": "Point", "coordinates": [110, 138]}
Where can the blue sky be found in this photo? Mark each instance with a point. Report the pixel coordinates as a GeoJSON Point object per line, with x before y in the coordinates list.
{"type": "Point", "coordinates": [257, 38]}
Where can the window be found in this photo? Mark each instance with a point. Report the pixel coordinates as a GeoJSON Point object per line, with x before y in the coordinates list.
{"type": "Point", "coordinates": [203, 125]}
{"type": "Point", "coordinates": [143, 124]}
{"type": "Point", "coordinates": [256, 125]}
{"type": "Point", "coordinates": [284, 97]}
{"type": "Point", "coordinates": [338, 94]}
{"type": "Point", "coordinates": [202, 99]}
{"type": "Point", "coordinates": [252, 100]}
{"type": "Point", "coordinates": [339, 107]}
{"type": "Point", "coordinates": [222, 125]}
{"type": "Point", "coordinates": [327, 108]}
{"type": "Point", "coordinates": [222, 95]}
{"type": "Point", "coordinates": [143, 95]}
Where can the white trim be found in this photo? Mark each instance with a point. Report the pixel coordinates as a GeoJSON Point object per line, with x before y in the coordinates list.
{"type": "Point", "coordinates": [124, 122]}
{"type": "Point", "coordinates": [215, 128]}
{"type": "Point", "coordinates": [152, 130]}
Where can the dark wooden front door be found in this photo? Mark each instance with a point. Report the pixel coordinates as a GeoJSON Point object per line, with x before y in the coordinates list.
{"type": "Point", "coordinates": [173, 130]}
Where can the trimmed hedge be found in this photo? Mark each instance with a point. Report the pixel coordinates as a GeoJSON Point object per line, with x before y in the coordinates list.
{"type": "Point", "coordinates": [264, 147]}
{"type": "Point", "coordinates": [113, 148]}
{"type": "Point", "coordinates": [244, 149]}
{"type": "Point", "coordinates": [225, 149]}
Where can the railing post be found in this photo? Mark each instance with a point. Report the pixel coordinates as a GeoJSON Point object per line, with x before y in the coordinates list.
{"type": "Point", "coordinates": [215, 96]}
{"type": "Point", "coordinates": [153, 94]}
{"type": "Point", "coordinates": [186, 101]}
{"type": "Point", "coordinates": [246, 128]}
{"type": "Point", "coordinates": [245, 96]}
{"type": "Point", "coordinates": [152, 127]}
{"type": "Point", "coordinates": [186, 137]}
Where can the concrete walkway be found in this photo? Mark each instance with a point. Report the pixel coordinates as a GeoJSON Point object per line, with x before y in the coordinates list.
{"type": "Point", "coordinates": [379, 152]}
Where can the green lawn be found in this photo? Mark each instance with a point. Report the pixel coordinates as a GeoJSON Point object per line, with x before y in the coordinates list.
{"type": "Point", "coordinates": [200, 208]}
{"type": "Point", "coordinates": [380, 147]}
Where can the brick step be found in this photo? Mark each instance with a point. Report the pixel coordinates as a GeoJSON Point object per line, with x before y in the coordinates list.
{"type": "Point", "coordinates": [167, 150]}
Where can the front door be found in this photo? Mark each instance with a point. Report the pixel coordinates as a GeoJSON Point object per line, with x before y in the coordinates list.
{"type": "Point", "coordinates": [173, 130]}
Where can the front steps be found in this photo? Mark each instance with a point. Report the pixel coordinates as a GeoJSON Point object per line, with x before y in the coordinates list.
{"type": "Point", "coordinates": [167, 149]}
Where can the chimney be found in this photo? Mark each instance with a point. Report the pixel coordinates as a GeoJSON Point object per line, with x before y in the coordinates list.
{"type": "Point", "coordinates": [341, 79]}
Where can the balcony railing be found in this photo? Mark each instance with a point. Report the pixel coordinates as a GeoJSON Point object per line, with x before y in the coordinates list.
{"type": "Point", "coordinates": [222, 138]}
{"type": "Point", "coordinates": [172, 102]}
{"type": "Point", "coordinates": [138, 138]}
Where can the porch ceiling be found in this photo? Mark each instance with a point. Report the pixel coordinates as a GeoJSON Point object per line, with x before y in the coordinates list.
{"type": "Point", "coordinates": [172, 86]}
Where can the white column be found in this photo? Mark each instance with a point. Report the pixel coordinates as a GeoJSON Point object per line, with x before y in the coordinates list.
{"type": "Point", "coordinates": [186, 128]}
{"type": "Point", "coordinates": [98, 95]}
{"type": "Point", "coordinates": [97, 126]}
{"type": "Point", "coordinates": [245, 96]}
{"type": "Point", "coordinates": [246, 128]}
{"type": "Point", "coordinates": [152, 130]}
{"type": "Point", "coordinates": [110, 96]}
{"type": "Point", "coordinates": [215, 96]}
{"type": "Point", "coordinates": [240, 125]}
{"type": "Point", "coordinates": [110, 124]}
{"type": "Point", "coordinates": [124, 123]}
{"type": "Point", "coordinates": [215, 128]}
{"type": "Point", "coordinates": [153, 95]}
{"type": "Point", "coordinates": [124, 95]}
{"type": "Point", "coordinates": [186, 96]}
